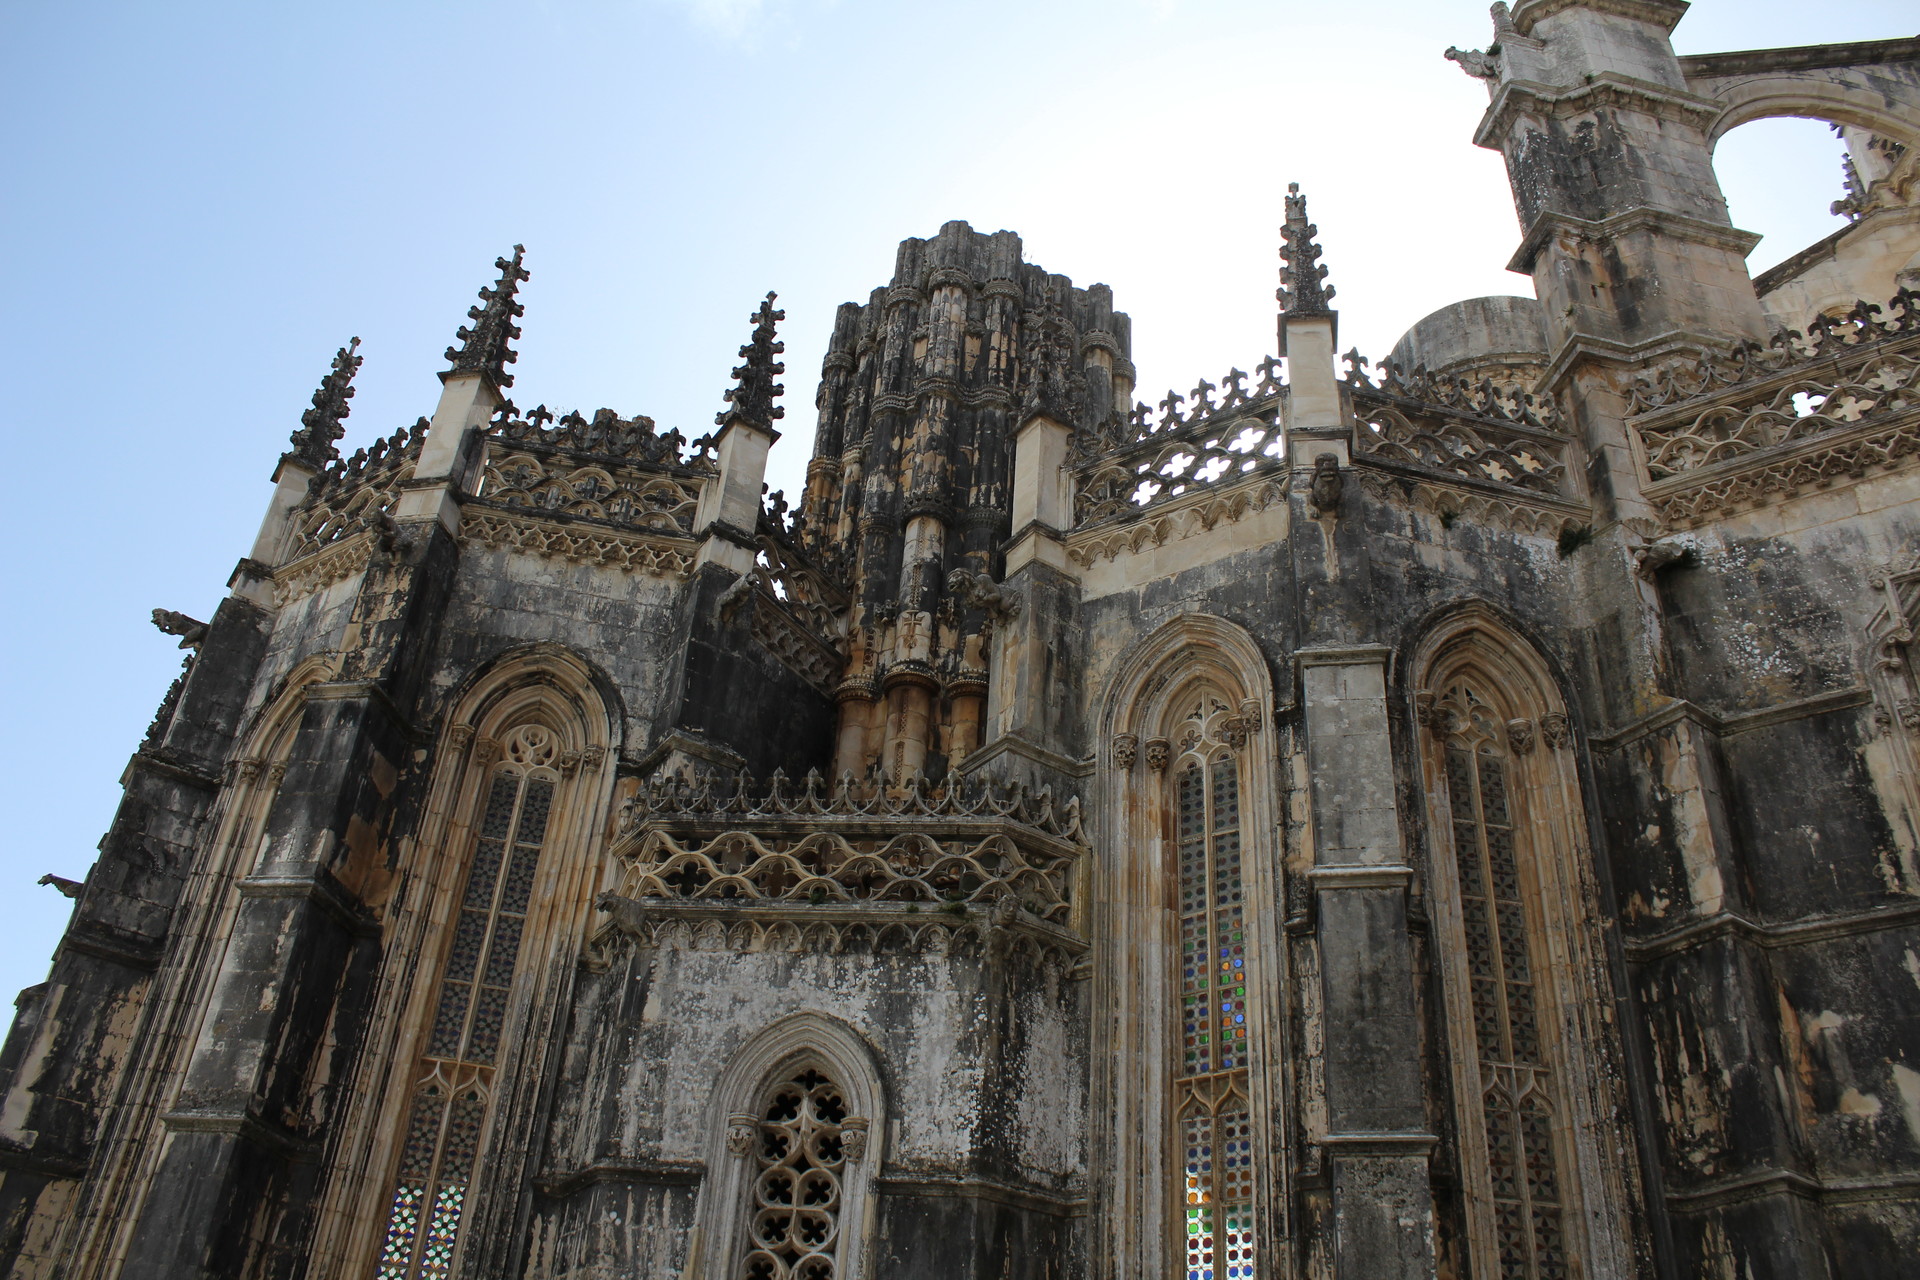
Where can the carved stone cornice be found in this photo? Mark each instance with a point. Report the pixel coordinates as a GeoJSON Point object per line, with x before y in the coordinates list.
{"type": "Point", "coordinates": [1665, 14]}
{"type": "Point", "coordinates": [659, 554]}
{"type": "Point", "coordinates": [319, 570]}
{"type": "Point", "coordinates": [1185, 517]}
{"type": "Point", "coordinates": [1517, 98]}
{"type": "Point", "coordinates": [1500, 506]}
{"type": "Point", "coordinates": [1678, 226]}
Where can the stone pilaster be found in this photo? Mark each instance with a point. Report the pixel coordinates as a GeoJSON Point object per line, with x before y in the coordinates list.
{"type": "Point", "coordinates": [1377, 1144]}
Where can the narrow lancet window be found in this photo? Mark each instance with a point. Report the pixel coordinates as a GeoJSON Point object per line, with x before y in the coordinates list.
{"type": "Point", "coordinates": [1211, 1083]}
{"type": "Point", "coordinates": [1517, 1096]}
{"type": "Point", "coordinates": [453, 1084]}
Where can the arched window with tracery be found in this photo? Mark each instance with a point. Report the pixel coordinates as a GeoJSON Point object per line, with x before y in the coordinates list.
{"type": "Point", "coordinates": [453, 1081]}
{"type": "Point", "coordinates": [1211, 1095]}
{"type": "Point", "coordinates": [801, 1144]}
{"type": "Point", "coordinates": [1524, 989]}
{"type": "Point", "coordinates": [1517, 1093]}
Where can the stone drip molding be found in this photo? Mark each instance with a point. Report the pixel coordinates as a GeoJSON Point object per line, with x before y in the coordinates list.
{"type": "Point", "coordinates": [634, 552]}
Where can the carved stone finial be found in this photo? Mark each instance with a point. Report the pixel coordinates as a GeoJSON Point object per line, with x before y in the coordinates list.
{"type": "Point", "coordinates": [1554, 729]}
{"type": "Point", "coordinates": [1329, 482]}
{"type": "Point", "coordinates": [315, 444]}
{"type": "Point", "coordinates": [752, 400]}
{"type": "Point", "coordinates": [1126, 749]}
{"type": "Point", "coordinates": [1520, 734]}
{"type": "Point", "coordinates": [483, 344]}
{"type": "Point", "coordinates": [1159, 754]}
{"type": "Point", "coordinates": [853, 1137]}
{"type": "Point", "coordinates": [190, 630]}
{"type": "Point", "coordinates": [1304, 290]}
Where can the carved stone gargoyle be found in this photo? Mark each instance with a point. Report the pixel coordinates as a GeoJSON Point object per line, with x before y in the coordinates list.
{"type": "Point", "coordinates": [67, 888]}
{"type": "Point", "coordinates": [190, 630]}
{"type": "Point", "coordinates": [1329, 482]}
{"type": "Point", "coordinates": [978, 591]}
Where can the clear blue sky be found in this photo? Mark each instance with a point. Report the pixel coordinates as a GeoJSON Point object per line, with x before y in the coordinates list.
{"type": "Point", "coordinates": [204, 200]}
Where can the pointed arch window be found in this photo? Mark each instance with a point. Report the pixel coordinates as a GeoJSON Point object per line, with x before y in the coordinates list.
{"type": "Point", "coordinates": [453, 1083]}
{"type": "Point", "coordinates": [1517, 1092]}
{"type": "Point", "coordinates": [1536, 1066]}
{"type": "Point", "coordinates": [802, 1144]}
{"type": "Point", "coordinates": [1211, 1091]}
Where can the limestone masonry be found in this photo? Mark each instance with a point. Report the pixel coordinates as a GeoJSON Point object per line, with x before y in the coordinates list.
{"type": "Point", "coordinates": [1454, 816]}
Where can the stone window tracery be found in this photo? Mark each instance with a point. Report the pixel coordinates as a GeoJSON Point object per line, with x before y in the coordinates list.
{"type": "Point", "coordinates": [454, 1080]}
{"type": "Point", "coordinates": [1518, 1096]}
{"type": "Point", "coordinates": [1215, 1126]}
{"type": "Point", "coordinates": [802, 1145]}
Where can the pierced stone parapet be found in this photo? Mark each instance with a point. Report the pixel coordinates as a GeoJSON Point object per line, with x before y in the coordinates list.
{"type": "Point", "coordinates": [709, 801]}
{"type": "Point", "coordinates": [356, 493]}
{"type": "Point", "coordinates": [605, 436]}
{"type": "Point", "coordinates": [1438, 440]}
{"type": "Point", "coordinates": [1761, 424]}
{"type": "Point", "coordinates": [1211, 453]}
{"type": "Point", "coordinates": [1486, 401]}
{"type": "Point", "coordinates": [1680, 382]}
{"type": "Point", "coordinates": [748, 868]}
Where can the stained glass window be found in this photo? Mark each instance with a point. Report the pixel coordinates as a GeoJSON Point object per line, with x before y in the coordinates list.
{"type": "Point", "coordinates": [1516, 1089]}
{"type": "Point", "coordinates": [800, 1162]}
{"type": "Point", "coordinates": [455, 1077]}
{"type": "Point", "coordinates": [1215, 1124]}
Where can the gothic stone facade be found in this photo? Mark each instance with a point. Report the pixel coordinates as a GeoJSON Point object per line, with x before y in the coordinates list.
{"type": "Point", "coordinates": [1452, 817]}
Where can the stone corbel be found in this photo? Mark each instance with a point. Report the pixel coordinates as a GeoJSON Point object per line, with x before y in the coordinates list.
{"type": "Point", "coordinates": [742, 1129]}
{"type": "Point", "coordinates": [1126, 749]}
{"type": "Point", "coordinates": [486, 751]}
{"type": "Point", "coordinates": [1520, 736]}
{"type": "Point", "coordinates": [853, 1137]}
{"type": "Point", "coordinates": [459, 736]}
{"type": "Point", "coordinates": [1423, 710]}
{"type": "Point", "coordinates": [1159, 754]}
{"type": "Point", "coordinates": [1555, 730]}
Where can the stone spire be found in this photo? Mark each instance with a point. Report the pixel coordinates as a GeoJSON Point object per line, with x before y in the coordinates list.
{"type": "Point", "coordinates": [320, 426]}
{"type": "Point", "coordinates": [752, 401]}
{"type": "Point", "coordinates": [1304, 290]}
{"type": "Point", "coordinates": [483, 345]}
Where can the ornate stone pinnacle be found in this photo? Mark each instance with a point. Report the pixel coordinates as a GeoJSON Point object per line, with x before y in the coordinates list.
{"type": "Point", "coordinates": [1050, 379]}
{"type": "Point", "coordinates": [483, 345]}
{"type": "Point", "coordinates": [1304, 290]}
{"type": "Point", "coordinates": [320, 427]}
{"type": "Point", "coordinates": [752, 401]}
